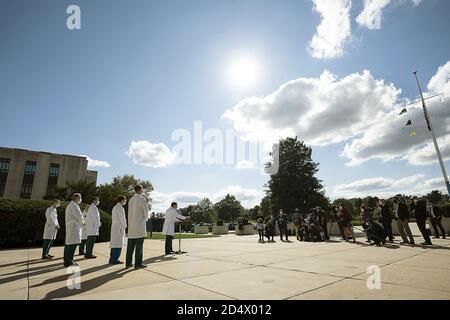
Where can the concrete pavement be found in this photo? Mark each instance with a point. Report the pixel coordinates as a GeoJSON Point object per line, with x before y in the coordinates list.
{"type": "Point", "coordinates": [237, 267]}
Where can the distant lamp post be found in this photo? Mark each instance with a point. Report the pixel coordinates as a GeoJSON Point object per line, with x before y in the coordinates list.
{"type": "Point", "coordinates": [433, 135]}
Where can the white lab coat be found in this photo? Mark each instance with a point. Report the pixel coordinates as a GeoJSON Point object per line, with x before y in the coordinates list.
{"type": "Point", "coordinates": [93, 221]}
{"type": "Point", "coordinates": [74, 220]}
{"type": "Point", "coordinates": [172, 216]}
{"type": "Point", "coordinates": [137, 217]}
{"type": "Point", "coordinates": [51, 223]}
{"type": "Point", "coordinates": [118, 226]}
{"type": "Point", "coordinates": [84, 228]}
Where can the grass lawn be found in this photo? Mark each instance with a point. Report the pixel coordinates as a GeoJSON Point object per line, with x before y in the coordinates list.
{"type": "Point", "coordinates": [160, 236]}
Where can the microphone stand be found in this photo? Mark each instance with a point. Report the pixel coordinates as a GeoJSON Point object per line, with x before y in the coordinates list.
{"type": "Point", "coordinates": [179, 239]}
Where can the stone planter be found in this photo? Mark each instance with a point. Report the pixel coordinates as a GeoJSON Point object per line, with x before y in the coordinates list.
{"type": "Point", "coordinates": [246, 230]}
{"type": "Point", "coordinates": [201, 230]}
{"type": "Point", "coordinates": [220, 229]}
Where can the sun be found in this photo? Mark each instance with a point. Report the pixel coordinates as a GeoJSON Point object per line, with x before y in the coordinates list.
{"type": "Point", "coordinates": [243, 71]}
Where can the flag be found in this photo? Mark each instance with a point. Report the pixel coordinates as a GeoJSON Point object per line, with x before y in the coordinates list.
{"type": "Point", "coordinates": [403, 111]}
{"type": "Point", "coordinates": [409, 123]}
{"type": "Point", "coordinates": [413, 133]}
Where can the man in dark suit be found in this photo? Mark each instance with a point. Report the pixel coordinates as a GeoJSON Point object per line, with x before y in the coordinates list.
{"type": "Point", "coordinates": [282, 224]}
{"type": "Point", "coordinates": [401, 215]}
{"type": "Point", "coordinates": [386, 219]}
{"type": "Point", "coordinates": [435, 213]}
{"type": "Point", "coordinates": [419, 209]}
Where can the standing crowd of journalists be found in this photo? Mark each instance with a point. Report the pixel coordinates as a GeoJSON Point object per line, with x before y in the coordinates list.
{"type": "Point", "coordinates": [376, 222]}
{"type": "Point", "coordinates": [82, 228]}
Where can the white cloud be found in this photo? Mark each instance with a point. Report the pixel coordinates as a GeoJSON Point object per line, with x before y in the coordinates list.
{"type": "Point", "coordinates": [426, 154]}
{"type": "Point", "coordinates": [370, 16]}
{"type": "Point", "coordinates": [333, 30]}
{"type": "Point", "coordinates": [155, 155]}
{"type": "Point", "coordinates": [248, 197]}
{"type": "Point", "coordinates": [358, 109]}
{"type": "Point", "coordinates": [321, 111]}
{"type": "Point", "coordinates": [440, 82]}
{"type": "Point", "coordinates": [96, 163]}
{"type": "Point", "coordinates": [245, 164]}
{"type": "Point", "coordinates": [432, 184]}
{"type": "Point", "coordinates": [381, 186]}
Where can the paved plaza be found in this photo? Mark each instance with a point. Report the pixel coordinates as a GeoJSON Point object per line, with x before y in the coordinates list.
{"type": "Point", "coordinates": [237, 267]}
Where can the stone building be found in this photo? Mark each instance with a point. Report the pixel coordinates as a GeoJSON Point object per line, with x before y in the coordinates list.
{"type": "Point", "coordinates": [34, 174]}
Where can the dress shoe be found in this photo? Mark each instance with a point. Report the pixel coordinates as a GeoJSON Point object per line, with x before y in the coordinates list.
{"type": "Point", "coordinates": [49, 255]}
{"type": "Point", "coordinates": [46, 257]}
{"type": "Point", "coordinates": [142, 266]}
{"type": "Point", "coordinates": [90, 257]}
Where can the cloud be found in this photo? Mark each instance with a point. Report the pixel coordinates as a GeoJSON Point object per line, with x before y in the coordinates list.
{"type": "Point", "coordinates": [358, 110]}
{"type": "Point", "coordinates": [149, 154]}
{"type": "Point", "coordinates": [387, 187]}
{"type": "Point", "coordinates": [333, 30]}
{"type": "Point", "coordinates": [245, 164]}
{"type": "Point", "coordinates": [248, 197]}
{"type": "Point", "coordinates": [321, 111]}
{"type": "Point", "coordinates": [388, 139]}
{"type": "Point", "coordinates": [440, 82]}
{"type": "Point", "coordinates": [370, 16]}
{"type": "Point", "coordinates": [96, 163]}
{"type": "Point", "coordinates": [426, 155]}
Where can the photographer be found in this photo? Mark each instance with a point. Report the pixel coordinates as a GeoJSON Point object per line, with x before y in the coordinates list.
{"type": "Point", "coordinates": [401, 216]}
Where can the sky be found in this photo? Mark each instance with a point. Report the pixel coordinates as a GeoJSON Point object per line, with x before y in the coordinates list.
{"type": "Point", "coordinates": [138, 76]}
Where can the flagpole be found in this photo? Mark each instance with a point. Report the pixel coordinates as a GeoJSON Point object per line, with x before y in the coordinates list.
{"type": "Point", "coordinates": [433, 135]}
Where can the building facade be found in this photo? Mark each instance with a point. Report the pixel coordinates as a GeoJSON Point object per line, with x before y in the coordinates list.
{"type": "Point", "coordinates": [29, 174]}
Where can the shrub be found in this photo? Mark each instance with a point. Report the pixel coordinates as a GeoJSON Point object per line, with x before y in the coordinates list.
{"type": "Point", "coordinates": [219, 223]}
{"type": "Point", "coordinates": [22, 222]}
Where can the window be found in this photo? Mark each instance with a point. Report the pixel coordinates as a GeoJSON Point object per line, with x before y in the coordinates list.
{"type": "Point", "coordinates": [28, 179]}
{"type": "Point", "coordinates": [53, 174]}
{"type": "Point", "coordinates": [4, 169]}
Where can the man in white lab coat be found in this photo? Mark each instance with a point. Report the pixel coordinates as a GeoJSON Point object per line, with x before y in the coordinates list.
{"type": "Point", "coordinates": [93, 225]}
{"type": "Point", "coordinates": [172, 216]}
{"type": "Point", "coordinates": [51, 229]}
{"type": "Point", "coordinates": [74, 223]}
{"type": "Point", "coordinates": [118, 227]}
{"type": "Point", "coordinates": [137, 232]}
{"type": "Point", "coordinates": [82, 246]}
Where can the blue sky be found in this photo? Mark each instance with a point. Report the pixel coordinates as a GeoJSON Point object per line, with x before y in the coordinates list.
{"type": "Point", "coordinates": [138, 70]}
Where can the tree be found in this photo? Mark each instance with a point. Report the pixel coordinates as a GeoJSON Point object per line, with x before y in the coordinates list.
{"type": "Point", "coordinates": [86, 188]}
{"type": "Point", "coordinates": [121, 185]}
{"type": "Point", "coordinates": [229, 208]}
{"type": "Point", "coordinates": [295, 185]}
{"type": "Point", "coordinates": [266, 206]}
{"type": "Point", "coordinates": [255, 212]}
{"type": "Point", "coordinates": [435, 196]}
{"type": "Point", "coordinates": [203, 211]}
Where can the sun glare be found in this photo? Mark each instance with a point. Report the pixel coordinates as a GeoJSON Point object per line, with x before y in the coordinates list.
{"type": "Point", "coordinates": [243, 71]}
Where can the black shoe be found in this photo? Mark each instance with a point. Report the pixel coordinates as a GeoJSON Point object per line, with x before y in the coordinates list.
{"type": "Point", "coordinates": [74, 264]}
{"type": "Point", "coordinates": [90, 257]}
{"type": "Point", "coordinates": [49, 255]}
{"type": "Point", "coordinates": [128, 266]}
{"type": "Point", "coordinates": [436, 237]}
{"type": "Point", "coordinates": [81, 253]}
{"type": "Point", "coordinates": [142, 266]}
{"type": "Point", "coordinates": [116, 262]}
{"type": "Point", "coordinates": [443, 237]}
{"type": "Point", "coordinates": [412, 243]}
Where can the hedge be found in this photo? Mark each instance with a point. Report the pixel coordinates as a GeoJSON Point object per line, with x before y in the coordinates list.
{"type": "Point", "coordinates": [22, 223]}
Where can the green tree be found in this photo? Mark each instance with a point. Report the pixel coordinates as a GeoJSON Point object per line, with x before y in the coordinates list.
{"type": "Point", "coordinates": [295, 184]}
{"type": "Point", "coordinates": [86, 188]}
{"type": "Point", "coordinates": [203, 211]}
{"type": "Point", "coordinates": [435, 196]}
{"type": "Point", "coordinates": [229, 208]}
{"type": "Point", "coordinates": [121, 185]}
{"type": "Point", "coordinates": [266, 206]}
